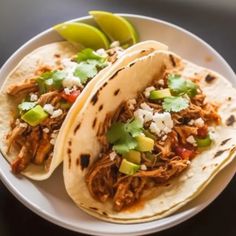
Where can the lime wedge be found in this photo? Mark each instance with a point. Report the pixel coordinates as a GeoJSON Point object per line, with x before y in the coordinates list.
{"type": "Point", "coordinates": [116, 27]}
{"type": "Point", "coordinates": [82, 34]}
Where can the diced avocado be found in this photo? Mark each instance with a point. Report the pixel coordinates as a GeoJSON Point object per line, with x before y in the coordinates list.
{"type": "Point", "coordinates": [203, 142]}
{"type": "Point", "coordinates": [145, 144]}
{"type": "Point", "coordinates": [128, 167]}
{"type": "Point", "coordinates": [34, 116]}
{"type": "Point", "coordinates": [159, 94]}
{"type": "Point", "coordinates": [133, 156]}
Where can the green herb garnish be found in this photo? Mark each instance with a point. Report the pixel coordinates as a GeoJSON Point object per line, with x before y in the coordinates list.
{"type": "Point", "coordinates": [180, 86]}
{"type": "Point", "coordinates": [89, 63]}
{"type": "Point", "coordinates": [50, 80]}
{"type": "Point", "coordinates": [88, 54]}
{"type": "Point", "coordinates": [174, 104]}
{"type": "Point", "coordinates": [122, 135]}
{"type": "Point", "coordinates": [85, 71]}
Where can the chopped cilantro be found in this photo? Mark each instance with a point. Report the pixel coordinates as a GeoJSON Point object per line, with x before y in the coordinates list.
{"type": "Point", "coordinates": [47, 75]}
{"type": "Point", "coordinates": [41, 84]}
{"type": "Point", "coordinates": [174, 104]}
{"type": "Point", "coordinates": [116, 132]}
{"type": "Point", "coordinates": [85, 71]}
{"type": "Point", "coordinates": [58, 77]}
{"type": "Point", "coordinates": [180, 86]}
{"type": "Point", "coordinates": [25, 106]}
{"type": "Point", "coordinates": [50, 80]}
{"type": "Point", "coordinates": [88, 54]}
{"type": "Point", "coordinates": [125, 144]}
{"type": "Point", "coordinates": [134, 127]}
{"type": "Point", "coordinates": [122, 135]}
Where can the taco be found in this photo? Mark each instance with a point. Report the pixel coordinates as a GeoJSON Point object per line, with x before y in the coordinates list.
{"type": "Point", "coordinates": [149, 139]}
{"type": "Point", "coordinates": [39, 93]}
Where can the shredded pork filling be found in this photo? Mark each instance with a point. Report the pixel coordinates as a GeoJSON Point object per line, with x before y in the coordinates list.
{"type": "Point", "coordinates": [171, 155]}
{"type": "Point", "coordinates": [34, 144]}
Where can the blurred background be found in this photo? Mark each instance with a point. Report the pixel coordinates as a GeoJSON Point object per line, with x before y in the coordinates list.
{"type": "Point", "coordinates": [212, 20]}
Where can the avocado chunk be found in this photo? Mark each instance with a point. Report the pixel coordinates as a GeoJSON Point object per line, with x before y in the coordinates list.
{"type": "Point", "coordinates": [34, 116]}
{"type": "Point", "coordinates": [128, 167]}
{"type": "Point", "coordinates": [145, 144]}
{"type": "Point", "coordinates": [203, 142]}
{"type": "Point", "coordinates": [159, 94]}
{"type": "Point", "coordinates": [133, 156]}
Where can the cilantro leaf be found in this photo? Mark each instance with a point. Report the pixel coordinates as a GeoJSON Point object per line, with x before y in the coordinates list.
{"type": "Point", "coordinates": [98, 64]}
{"type": "Point", "coordinates": [116, 132]}
{"type": "Point", "coordinates": [41, 84]}
{"type": "Point", "coordinates": [174, 104]}
{"type": "Point", "coordinates": [25, 106]}
{"type": "Point", "coordinates": [180, 86]}
{"type": "Point", "coordinates": [122, 135]}
{"type": "Point", "coordinates": [85, 71]}
{"type": "Point", "coordinates": [87, 54]}
{"type": "Point", "coordinates": [58, 77]}
{"type": "Point", "coordinates": [125, 144]}
{"type": "Point", "coordinates": [134, 127]}
{"type": "Point", "coordinates": [50, 80]}
{"type": "Point", "coordinates": [47, 75]}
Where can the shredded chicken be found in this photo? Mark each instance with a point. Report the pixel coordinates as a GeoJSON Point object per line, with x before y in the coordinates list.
{"type": "Point", "coordinates": [48, 98]}
{"type": "Point", "coordinates": [22, 88]}
{"type": "Point", "coordinates": [104, 179]}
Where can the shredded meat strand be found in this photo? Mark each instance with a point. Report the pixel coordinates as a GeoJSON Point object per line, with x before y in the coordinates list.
{"type": "Point", "coordinates": [22, 88]}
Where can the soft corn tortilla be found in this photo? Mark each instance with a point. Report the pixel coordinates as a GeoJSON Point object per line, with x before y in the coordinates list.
{"type": "Point", "coordinates": [157, 202]}
{"type": "Point", "coordinates": [26, 68]}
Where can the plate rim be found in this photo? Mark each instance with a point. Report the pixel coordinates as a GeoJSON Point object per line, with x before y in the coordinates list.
{"type": "Point", "coordinates": [51, 218]}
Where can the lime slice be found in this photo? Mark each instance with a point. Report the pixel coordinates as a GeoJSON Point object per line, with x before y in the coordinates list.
{"type": "Point", "coordinates": [82, 34]}
{"type": "Point", "coordinates": [116, 27]}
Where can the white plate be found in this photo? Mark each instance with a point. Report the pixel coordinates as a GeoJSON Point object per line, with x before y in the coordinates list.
{"type": "Point", "coordinates": [49, 199]}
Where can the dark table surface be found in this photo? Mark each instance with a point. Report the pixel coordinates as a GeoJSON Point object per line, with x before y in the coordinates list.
{"type": "Point", "coordinates": [213, 20]}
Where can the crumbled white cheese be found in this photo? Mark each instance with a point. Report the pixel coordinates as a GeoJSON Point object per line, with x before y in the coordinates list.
{"type": "Point", "coordinates": [212, 133]}
{"type": "Point", "coordinates": [17, 122]}
{"type": "Point", "coordinates": [115, 44]}
{"type": "Point", "coordinates": [190, 139]}
{"type": "Point", "coordinates": [70, 81]}
{"type": "Point", "coordinates": [56, 113]}
{"type": "Point", "coordinates": [46, 130]}
{"type": "Point", "coordinates": [143, 115]}
{"type": "Point", "coordinates": [131, 103]}
{"type": "Point", "coordinates": [188, 162]}
{"type": "Point", "coordinates": [112, 156]}
{"type": "Point", "coordinates": [148, 91]}
{"type": "Point", "coordinates": [191, 122]}
{"type": "Point", "coordinates": [145, 106]}
{"type": "Point", "coordinates": [161, 82]}
{"type": "Point", "coordinates": [23, 125]}
{"type": "Point", "coordinates": [33, 97]}
{"type": "Point", "coordinates": [69, 69]}
{"type": "Point", "coordinates": [154, 128]}
{"type": "Point", "coordinates": [199, 122]}
{"type": "Point", "coordinates": [161, 124]}
{"type": "Point", "coordinates": [67, 91]}
{"type": "Point", "coordinates": [143, 167]}
{"type": "Point", "coordinates": [52, 141]}
{"type": "Point", "coordinates": [101, 52]}
{"type": "Point", "coordinates": [48, 108]}
{"type": "Point", "coordinates": [164, 123]}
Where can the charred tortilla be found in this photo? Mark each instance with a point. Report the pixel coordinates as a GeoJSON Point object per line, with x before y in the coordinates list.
{"type": "Point", "coordinates": [26, 146]}
{"type": "Point", "coordinates": [81, 155]}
